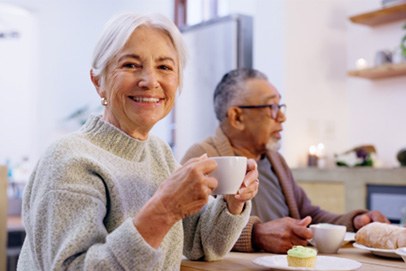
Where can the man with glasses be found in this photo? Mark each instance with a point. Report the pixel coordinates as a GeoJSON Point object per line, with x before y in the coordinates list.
{"type": "Point", "coordinates": [250, 114]}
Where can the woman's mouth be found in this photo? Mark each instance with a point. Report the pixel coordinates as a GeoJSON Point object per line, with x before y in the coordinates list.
{"type": "Point", "coordinates": [145, 99]}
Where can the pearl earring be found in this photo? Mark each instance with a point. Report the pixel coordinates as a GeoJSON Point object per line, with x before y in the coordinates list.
{"type": "Point", "coordinates": [104, 101]}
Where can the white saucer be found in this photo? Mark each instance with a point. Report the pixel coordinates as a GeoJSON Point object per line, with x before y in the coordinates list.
{"type": "Point", "coordinates": [402, 252]}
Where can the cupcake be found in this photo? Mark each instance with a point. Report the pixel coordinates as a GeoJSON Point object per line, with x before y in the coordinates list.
{"type": "Point", "coordinates": [300, 256]}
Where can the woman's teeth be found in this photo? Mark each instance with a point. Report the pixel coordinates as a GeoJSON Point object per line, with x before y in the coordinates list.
{"type": "Point", "coordinates": [146, 100]}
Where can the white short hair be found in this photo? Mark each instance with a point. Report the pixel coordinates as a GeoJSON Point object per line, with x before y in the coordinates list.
{"type": "Point", "coordinates": [118, 30]}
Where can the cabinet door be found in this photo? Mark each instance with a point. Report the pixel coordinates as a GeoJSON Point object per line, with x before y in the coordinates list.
{"type": "Point", "coordinates": [330, 196]}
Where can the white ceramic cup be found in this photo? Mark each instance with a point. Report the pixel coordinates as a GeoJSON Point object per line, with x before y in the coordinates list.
{"type": "Point", "coordinates": [230, 173]}
{"type": "Point", "coordinates": [327, 238]}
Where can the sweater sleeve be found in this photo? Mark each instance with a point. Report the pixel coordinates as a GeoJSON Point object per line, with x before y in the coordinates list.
{"type": "Point", "coordinates": [244, 242]}
{"type": "Point", "coordinates": [211, 233]}
{"type": "Point", "coordinates": [64, 212]}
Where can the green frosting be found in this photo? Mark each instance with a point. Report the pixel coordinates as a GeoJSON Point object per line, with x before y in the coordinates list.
{"type": "Point", "coordinates": [302, 252]}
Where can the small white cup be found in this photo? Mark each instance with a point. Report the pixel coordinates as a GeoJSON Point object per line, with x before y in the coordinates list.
{"type": "Point", "coordinates": [327, 238]}
{"type": "Point", "coordinates": [230, 173]}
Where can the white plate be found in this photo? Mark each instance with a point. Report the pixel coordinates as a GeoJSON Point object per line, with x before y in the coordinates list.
{"type": "Point", "coordinates": [402, 252]}
{"type": "Point", "coordinates": [349, 236]}
{"type": "Point", "coordinates": [323, 263]}
{"type": "Point", "coordinates": [379, 251]}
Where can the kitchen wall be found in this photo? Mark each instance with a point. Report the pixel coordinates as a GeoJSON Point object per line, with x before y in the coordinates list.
{"type": "Point", "coordinates": [18, 82]}
{"type": "Point", "coordinates": [305, 47]}
{"type": "Point", "coordinates": [376, 108]}
{"type": "Point", "coordinates": [67, 31]}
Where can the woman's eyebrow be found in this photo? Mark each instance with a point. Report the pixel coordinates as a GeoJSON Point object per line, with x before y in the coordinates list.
{"type": "Point", "coordinates": [166, 58]}
{"type": "Point", "coordinates": [137, 57]}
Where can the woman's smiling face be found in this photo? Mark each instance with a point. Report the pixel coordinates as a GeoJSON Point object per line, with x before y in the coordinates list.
{"type": "Point", "coordinates": [141, 82]}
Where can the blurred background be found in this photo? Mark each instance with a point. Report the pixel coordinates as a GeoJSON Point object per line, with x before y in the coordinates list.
{"type": "Point", "coordinates": [305, 47]}
{"type": "Point", "coordinates": [337, 63]}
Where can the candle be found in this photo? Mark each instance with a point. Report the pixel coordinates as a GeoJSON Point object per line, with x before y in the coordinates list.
{"type": "Point", "coordinates": [361, 63]}
{"type": "Point", "coordinates": [321, 157]}
{"type": "Point", "coordinates": [312, 157]}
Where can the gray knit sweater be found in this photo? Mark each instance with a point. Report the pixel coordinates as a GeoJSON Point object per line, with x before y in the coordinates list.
{"type": "Point", "coordinates": [80, 200]}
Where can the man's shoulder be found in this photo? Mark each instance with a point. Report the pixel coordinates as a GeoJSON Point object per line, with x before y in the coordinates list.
{"type": "Point", "coordinates": [206, 146]}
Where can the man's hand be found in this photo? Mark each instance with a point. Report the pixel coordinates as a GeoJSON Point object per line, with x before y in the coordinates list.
{"type": "Point", "coordinates": [369, 217]}
{"type": "Point", "coordinates": [278, 236]}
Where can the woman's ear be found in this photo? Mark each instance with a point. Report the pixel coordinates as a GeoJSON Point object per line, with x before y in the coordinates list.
{"type": "Point", "coordinates": [96, 83]}
{"type": "Point", "coordinates": [235, 117]}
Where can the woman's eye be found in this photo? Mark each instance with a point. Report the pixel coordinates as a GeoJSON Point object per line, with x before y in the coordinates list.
{"type": "Point", "coordinates": [165, 67]}
{"type": "Point", "coordinates": [131, 66]}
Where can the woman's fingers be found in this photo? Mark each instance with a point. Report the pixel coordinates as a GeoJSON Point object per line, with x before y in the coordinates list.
{"type": "Point", "coordinates": [249, 192]}
{"type": "Point", "coordinates": [190, 186]}
{"type": "Point", "coordinates": [249, 188]}
{"type": "Point", "coordinates": [251, 164]}
{"type": "Point", "coordinates": [193, 185]}
{"type": "Point", "coordinates": [252, 172]}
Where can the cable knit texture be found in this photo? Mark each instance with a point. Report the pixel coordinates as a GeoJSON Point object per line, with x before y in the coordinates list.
{"type": "Point", "coordinates": [296, 199]}
{"type": "Point", "coordinates": [82, 196]}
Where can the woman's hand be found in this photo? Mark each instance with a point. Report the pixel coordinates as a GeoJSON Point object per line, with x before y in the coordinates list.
{"type": "Point", "coordinates": [187, 190]}
{"type": "Point", "coordinates": [248, 189]}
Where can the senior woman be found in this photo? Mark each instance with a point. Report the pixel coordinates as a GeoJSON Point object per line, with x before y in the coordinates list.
{"type": "Point", "coordinates": [111, 196]}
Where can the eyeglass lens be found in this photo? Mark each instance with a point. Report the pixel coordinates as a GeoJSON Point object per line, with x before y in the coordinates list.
{"type": "Point", "coordinates": [276, 108]}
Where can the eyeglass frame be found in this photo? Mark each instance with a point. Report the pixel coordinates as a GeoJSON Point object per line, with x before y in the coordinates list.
{"type": "Point", "coordinates": [275, 108]}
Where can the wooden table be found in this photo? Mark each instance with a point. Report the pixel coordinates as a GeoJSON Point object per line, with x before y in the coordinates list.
{"type": "Point", "coordinates": [243, 261]}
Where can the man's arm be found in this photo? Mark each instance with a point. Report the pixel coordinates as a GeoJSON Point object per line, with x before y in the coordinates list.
{"type": "Point", "coordinates": [245, 241]}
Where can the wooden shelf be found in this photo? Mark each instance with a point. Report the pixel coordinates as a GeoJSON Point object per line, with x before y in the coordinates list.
{"type": "Point", "coordinates": [381, 16]}
{"type": "Point", "coordinates": [380, 72]}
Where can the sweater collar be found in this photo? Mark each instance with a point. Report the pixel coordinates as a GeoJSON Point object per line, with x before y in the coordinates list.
{"type": "Point", "coordinates": [112, 139]}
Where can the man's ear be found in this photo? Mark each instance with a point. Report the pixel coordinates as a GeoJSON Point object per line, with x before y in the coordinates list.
{"type": "Point", "coordinates": [235, 117]}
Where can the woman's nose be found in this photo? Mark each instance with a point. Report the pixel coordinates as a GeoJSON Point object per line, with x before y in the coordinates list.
{"type": "Point", "coordinates": [148, 79]}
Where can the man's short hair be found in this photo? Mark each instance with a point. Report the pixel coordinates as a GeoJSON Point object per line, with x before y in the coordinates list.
{"type": "Point", "coordinates": [230, 87]}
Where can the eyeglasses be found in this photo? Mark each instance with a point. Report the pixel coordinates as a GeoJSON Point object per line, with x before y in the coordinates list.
{"type": "Point", "coordinates": [275, 108]}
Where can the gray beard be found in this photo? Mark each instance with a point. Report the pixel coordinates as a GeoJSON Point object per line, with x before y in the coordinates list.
{"type": "Point", "coordinates": [273, 145]}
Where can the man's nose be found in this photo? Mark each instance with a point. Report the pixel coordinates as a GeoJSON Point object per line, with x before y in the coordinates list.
{"type": "Point", "coordinates": [281, 117]}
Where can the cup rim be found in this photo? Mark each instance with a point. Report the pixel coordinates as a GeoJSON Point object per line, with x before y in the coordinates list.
{"type": "Point", "coordinates": [327, 226]}
{"type": "Point", "coordinates": [228, 157]}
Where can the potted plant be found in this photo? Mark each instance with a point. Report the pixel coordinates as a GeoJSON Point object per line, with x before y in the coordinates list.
{"type": "Point", "coordinates": [399, 53]}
